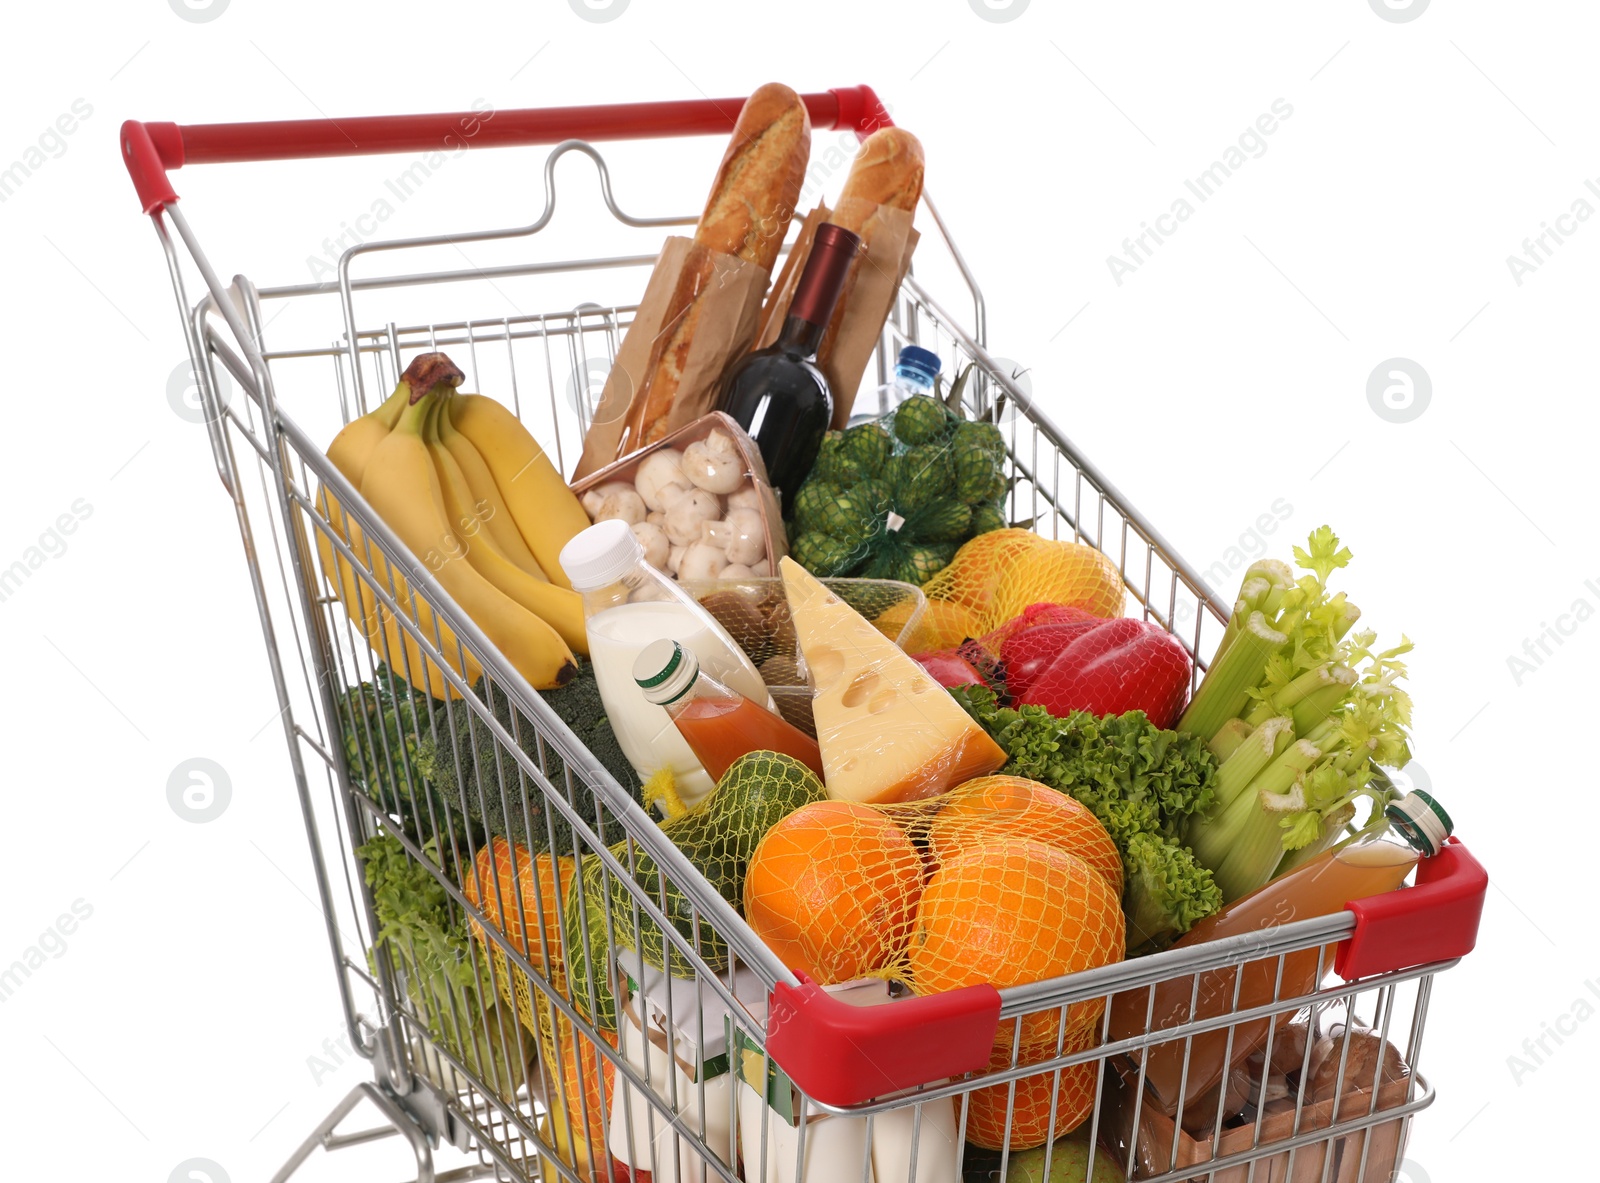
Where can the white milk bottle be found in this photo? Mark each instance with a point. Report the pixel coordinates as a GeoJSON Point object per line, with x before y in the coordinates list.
{"type": "Point", "coordinates": [627, 604]}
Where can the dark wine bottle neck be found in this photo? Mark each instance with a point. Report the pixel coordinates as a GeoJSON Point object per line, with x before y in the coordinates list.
{"type": "Point", "coordinates": [800, 336]}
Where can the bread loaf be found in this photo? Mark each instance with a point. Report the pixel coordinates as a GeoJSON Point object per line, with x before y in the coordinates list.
{"type": "Point", "coordinates": [758, 183]}
{"type": "Point", "coordinates": [886, 175]}
{"type": "Point", "coordinates": [747, 216]}
{"type": "Point", "coordinates": [887, 171]}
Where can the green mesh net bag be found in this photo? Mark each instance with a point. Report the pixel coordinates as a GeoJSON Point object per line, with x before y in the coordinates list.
{"type": "Point", "coordinates": [896, 497]}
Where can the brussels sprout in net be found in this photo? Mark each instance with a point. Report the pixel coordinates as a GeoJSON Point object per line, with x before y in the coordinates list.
{"type": "Point", "coordinates": [922, 477]}
{"type": "Point", "coordinates": [918, 564]}
{"type": "Point", "coordinates": [921, 419]}
{"type": "Point", "coordinates": [978, 474]}
{"type": "Point", "coordinates": [892, 498]}
{"type": "Point", "coordinates": [944, 521]}
{"type": "Point", "coordinates": [864, 451]}
{"type": "Point", "coordinates": [984, 435]}
{"type": "Point", "coordinates": [813, 502]}
{"type": "Point", "coordinates": [852, 517]}
{"type": "Point", "coordinates": [987, 517]}
{"type": "Point", "coordinates": [824, 555]}
{"type": "Point", "coordinates": [826, 467]}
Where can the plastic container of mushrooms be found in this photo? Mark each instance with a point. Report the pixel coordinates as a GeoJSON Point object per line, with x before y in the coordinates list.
{"type": "Point", "coordinates": [698, 501]}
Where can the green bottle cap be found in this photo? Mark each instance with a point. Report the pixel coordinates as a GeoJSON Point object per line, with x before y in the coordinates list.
{"type": "Point", "coordinates": [665, 670]}
{"type": "Point", "coordinates": [1421, 821]}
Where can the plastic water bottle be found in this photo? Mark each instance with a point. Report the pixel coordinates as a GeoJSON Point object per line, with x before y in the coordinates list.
{"type": "Point", "coordinates": [914, 373]}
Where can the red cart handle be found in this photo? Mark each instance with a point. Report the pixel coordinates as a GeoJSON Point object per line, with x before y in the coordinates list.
{"type": "Point", "coordinates": [150, 149]}
{"type": "Point", "coordinates": [1437, 920]}
{"type": "Point", "coordinates": [843, 1055]}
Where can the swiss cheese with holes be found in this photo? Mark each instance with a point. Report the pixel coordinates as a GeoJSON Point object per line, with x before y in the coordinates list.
{"type": "Point", "coordinates": [887, 730]}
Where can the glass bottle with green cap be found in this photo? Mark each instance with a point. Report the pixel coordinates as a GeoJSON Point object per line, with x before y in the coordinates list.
{"type": "Point", "coordinates": [717, 722]}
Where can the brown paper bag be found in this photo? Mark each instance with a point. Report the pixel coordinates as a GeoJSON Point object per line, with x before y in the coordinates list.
{"type": "Point", "coordinates": [864, 304]}
{"type": "Point", "coordinates": [728, 307]}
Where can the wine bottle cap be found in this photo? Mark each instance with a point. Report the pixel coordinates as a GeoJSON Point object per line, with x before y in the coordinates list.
{"type": "Point", "coordinates": [818, 290]}
{"type": "Point", "coordinates": [664, 670]}
{"type": "Point", "coordinates": [601, 555]}
{"type": "Point", "coordinates": [919, 362]}
{"type": "Point", "coordinates": [1421, 821]}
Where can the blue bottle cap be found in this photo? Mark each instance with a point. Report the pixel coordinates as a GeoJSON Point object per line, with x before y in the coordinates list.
{"type": "Point", "coordinates": [924, 363]}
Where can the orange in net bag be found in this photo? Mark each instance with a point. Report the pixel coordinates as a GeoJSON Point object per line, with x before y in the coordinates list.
{"type": "Point", "coordinates": [995, 576]}
{"type": "Point", "coordinates": [1028, 1108]}
{"type": "Point", "coordinates": [1000, 880]}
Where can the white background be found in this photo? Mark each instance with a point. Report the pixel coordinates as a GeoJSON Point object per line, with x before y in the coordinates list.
{"type": "Point", "coordinates": [1227, 372]}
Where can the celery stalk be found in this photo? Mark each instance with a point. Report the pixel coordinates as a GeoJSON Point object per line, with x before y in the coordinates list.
{"type": "Point", "coordinates": [1317, 706]}
{"type": "Point", "coordinates": [1228, 738]}
{"type": "Point", "coordinates": [1241, 823]}
{"type": "Point", "coordinates": [1252, 756]}
{"type": "Point", "coordinates": [1228, 682]}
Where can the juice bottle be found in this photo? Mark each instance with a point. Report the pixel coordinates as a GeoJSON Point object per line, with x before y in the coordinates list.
{"type": "Point", "coordinates": [627, 604]}
{"type": "Point", "coordinates": [1317, 887]}
{"type": "Point", "coordinates": [718, 723]}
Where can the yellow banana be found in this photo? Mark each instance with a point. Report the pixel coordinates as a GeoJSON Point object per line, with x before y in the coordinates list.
{"type": "Point", "coordinates": [350, 453]}
{"type": "Point", "coordinates": [402, 486]}
{"type": "Point", "coordinates": [502, 530]}
{"type": "Point", "coordinates": [544, 509]}
{"type": "Point", "coordinates": [400, 652]}
{"type": "Point", "coordinates": [556, 606]}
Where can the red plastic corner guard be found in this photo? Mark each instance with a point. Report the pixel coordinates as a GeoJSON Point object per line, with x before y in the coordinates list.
{"type": "Point", "coordinates": [1436, 920]}
{"type": "Point", "coordinates": [842, 1055]}
{"type": "Point", "coordinates": [150, 149]}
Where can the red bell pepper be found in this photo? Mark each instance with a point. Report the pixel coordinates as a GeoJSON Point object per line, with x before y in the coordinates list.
{"type": "Point", "coordinates": [1030, 652]}
{"type": "Point", "coordinates": [1106, 667]}
{"type": "Point", "coordinates": [950, 669]}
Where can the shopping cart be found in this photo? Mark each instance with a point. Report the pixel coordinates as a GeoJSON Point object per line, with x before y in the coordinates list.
{"type": "Point", "coordinates": [782, 1080]}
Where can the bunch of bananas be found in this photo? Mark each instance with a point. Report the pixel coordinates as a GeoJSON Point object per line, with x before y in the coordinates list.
{"type": "Point", "coordinates": [480, 507]}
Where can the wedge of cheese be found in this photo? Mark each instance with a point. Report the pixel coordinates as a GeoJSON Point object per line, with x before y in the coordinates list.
{"type": "Point", "coordinates": [888, 731]}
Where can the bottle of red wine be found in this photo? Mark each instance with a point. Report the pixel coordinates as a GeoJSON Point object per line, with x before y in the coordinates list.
{"type": "Point", "coordinates": [777, 394]}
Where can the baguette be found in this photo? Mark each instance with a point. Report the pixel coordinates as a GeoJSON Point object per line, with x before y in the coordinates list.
{"type": "Point", "coordinates": [887, 174]}
{"type": "Point", "coordinates": [746, 216]}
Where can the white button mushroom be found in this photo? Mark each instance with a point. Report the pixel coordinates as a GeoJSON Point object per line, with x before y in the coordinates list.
{"type": "Point", "coordinates": [747, 496]}
{"type": "Point", "coordinates": [654, 541]}
{"type": "Point", "coordinates": [657, 517]}
{"type": "Point", "coordinates": [736, 571]}
{"type": "Point", "coordinates": [746, 537]}
{"type": "Point", "coordinates": [595, 497]}
{"type": "Point", "coordinates": [658, 472]}
{"type": "Point", "coordinates": [714, 463]}
{"type": "Point", "coordinates": [686, 515]}
{"type": "Point", "coordinates": [622, 505]}
{"type": "Point", "coordinates": [701, 561]}
{"type": "Point", "coordinates": [762, 570]}
{"type": "Point", "coordinates": [675, 558]}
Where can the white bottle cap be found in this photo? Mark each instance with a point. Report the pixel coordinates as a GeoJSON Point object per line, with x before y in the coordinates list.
{"type": "Point", "coordinates": [665, 670]}
{"type": "Point", "coordinates": [601, 555]}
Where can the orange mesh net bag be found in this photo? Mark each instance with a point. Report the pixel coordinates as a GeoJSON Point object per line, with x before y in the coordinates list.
{"type": "Point", "coordinates": [1001, 880]}
{"type": "Point", "coordinates": [518, 894]}
{"type": "Point", "coordinates": [997, 575]}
